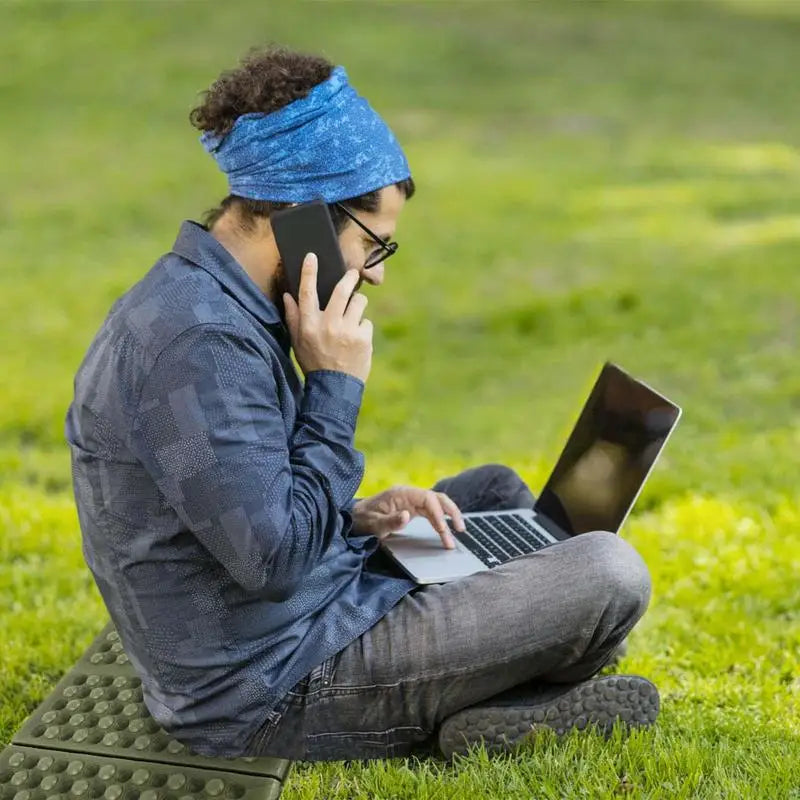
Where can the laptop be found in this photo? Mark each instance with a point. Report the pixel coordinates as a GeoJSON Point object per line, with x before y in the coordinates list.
{"type": "Point", "coordinates": [607, 458]}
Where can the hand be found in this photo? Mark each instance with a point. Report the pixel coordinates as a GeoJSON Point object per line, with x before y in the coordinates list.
{"type": "Point", "coordinates": [335, 338]}
{"type": "Point", "coordinates": [392, 510]}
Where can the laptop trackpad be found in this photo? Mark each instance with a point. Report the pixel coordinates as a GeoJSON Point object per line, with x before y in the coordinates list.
{"type": "Point", "coordinates": [421, 551]}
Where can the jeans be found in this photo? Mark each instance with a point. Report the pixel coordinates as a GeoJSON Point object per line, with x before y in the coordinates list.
{"type": "Point", "coordinates": [554, 616]}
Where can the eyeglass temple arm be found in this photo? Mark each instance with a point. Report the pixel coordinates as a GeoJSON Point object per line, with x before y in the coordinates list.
{"type": "Point", "coordinates": [384, 245]}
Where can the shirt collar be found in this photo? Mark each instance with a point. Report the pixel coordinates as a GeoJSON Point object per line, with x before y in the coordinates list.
{"type": "Point", "coordinates": [197, 245]}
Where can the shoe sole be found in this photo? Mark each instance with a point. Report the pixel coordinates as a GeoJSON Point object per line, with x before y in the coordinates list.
{"type": "Point", "coordinates": [602, 702]}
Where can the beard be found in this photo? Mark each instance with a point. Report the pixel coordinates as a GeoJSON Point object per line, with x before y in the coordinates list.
{"type": "Point", "coordinates": [279, 284]}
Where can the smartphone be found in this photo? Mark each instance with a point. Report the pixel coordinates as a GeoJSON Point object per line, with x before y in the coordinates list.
{"type": "Point", "coordinates": [308, 228]}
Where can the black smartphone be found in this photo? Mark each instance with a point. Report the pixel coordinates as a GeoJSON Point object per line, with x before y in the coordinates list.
{"type": "Point", "coordinates": [308, 228]}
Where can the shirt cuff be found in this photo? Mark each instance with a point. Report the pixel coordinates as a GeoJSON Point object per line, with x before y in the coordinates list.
{"type": "Point", "coordinates": [336, 394]}
{"type": "Point", "coordinates": [347, 513]}
{"type": "Point", "coordinates": [350, 505]}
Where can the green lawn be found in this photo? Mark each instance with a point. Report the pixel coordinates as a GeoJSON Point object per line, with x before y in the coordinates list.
{"type": "Point", "coordinates": [595, 181]}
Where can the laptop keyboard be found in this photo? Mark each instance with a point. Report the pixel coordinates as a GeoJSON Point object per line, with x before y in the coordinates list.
{"type": "Point", "coordinates": [495, 539]}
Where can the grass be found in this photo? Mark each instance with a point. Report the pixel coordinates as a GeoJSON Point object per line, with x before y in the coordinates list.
{"type": "Point", "coordinates": [596, 181]}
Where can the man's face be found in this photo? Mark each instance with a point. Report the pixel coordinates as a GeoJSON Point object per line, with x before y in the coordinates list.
{"type": "Point", "coordinates": [358, 247]}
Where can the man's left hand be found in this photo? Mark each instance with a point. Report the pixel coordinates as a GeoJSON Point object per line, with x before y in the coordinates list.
{"type": "Point", "coordinates": [391, 510]}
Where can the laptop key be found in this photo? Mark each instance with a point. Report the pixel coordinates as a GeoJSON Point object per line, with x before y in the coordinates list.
{"type": "Point", "coordinates": [473, 546]}
{"type": "Point", "coordinates": [476, 548]}
{"type": "Point", "coordinates": [500, 536]}
{"type": "Point", "coordinates": [531, 531]}
{"type": "Point", "coordinates": [481, 545]}
{"type": "Point", "coordinates": [525, 544]}
{"type": "Point", "coordinates": [490, 538]}
{"type": "Point", "coordinates": [533, 538]}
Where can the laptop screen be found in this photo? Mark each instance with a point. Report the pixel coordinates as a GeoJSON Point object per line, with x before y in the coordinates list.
{"type": "Point", "coordinates": [609, 454]}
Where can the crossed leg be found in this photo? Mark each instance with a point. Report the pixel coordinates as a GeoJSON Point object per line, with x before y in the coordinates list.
{"type": "Point", "coordinates": [554, 616]}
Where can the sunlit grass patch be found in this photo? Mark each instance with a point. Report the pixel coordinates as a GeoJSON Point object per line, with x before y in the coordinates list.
{"type": "Point", "coordinates": [51, 608]}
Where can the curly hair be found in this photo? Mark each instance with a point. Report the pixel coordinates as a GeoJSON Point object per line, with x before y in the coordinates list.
{"type": "Point", "coordinates": [265, 80]}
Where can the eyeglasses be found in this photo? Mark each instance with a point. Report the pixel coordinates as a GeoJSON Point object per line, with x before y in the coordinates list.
{"type": "Point", "coordinates": [389, 248]}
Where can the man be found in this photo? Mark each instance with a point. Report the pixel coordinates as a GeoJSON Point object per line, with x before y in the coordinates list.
{"type": "Point", "coordinates": [215, 489]}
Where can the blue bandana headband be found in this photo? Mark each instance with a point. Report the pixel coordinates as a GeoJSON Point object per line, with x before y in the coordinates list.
{"type": "Point", "coordinates": [329, 144]}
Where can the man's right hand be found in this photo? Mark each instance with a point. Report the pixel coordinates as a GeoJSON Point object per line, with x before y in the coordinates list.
{"type": "Point", "coordinates": [335, 338]}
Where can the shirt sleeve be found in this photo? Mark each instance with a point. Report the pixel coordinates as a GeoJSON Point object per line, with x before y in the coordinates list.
{"type": "Point", "coordinates": [262, 495]}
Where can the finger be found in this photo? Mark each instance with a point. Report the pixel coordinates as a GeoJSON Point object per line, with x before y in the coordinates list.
{"type": "Point", "coordinates": [308, 299]}
{"type": "Point", "coordinates": [341, 292]}
{"type": "Point", "coordinates": [453, 510]}
{"type": "Point", "coordinates": [358, 302]}
{"type": "Point", "coordinates": [434, 512]}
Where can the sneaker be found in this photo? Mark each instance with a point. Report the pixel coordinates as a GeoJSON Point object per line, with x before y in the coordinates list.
{"type": "Point", "coordinates": [505, 720]}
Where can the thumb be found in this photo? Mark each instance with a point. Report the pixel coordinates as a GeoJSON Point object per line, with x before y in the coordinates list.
{"type": "Point", "coordinates": [290, 308]}
{"type": "Point", "coordinates": [391, 523]}
{"type": "Point", "coordinates": [399, 520]}
{"type": "Point", "coordinates": [384, 524]}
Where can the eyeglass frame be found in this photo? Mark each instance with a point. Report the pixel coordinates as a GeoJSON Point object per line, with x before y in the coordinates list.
{"type": "Point", "coordinates": [389, 248]}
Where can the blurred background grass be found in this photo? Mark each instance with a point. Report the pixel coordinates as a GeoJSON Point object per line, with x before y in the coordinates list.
{"type": "Point", "coordinates": [595, 180]}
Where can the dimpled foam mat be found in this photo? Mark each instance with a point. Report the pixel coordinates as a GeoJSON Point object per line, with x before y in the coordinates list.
{"type": "Point", "coordinates": [96, 715]}
{"type": "Point", "coordinates": [30, 773]}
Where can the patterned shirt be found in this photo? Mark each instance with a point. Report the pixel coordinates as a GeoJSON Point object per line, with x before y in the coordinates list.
{"type": "Point", "coordinates": [214, 492]}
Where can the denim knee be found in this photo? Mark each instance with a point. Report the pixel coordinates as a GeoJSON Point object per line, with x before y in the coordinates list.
{"type": "Point", "coordinates": [616, 570]}
{"type": "Point", "coordinates": [504, 488]}
{"type": "Point", "coordinates": [487, 487]}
